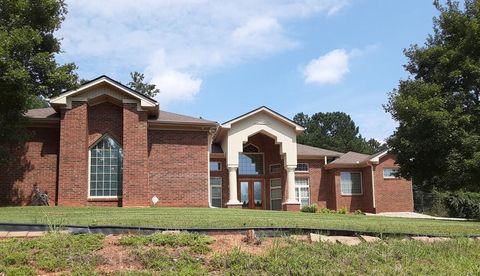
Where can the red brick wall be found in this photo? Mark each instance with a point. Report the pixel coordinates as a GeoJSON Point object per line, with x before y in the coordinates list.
{"type": "Point", "coordinates": [135, 157]}
{"type": "Point", "coordinates": [36, 164]}
{"type": "Point", "coordinates": [178, 167]}
{"type": "Point", "coordinates": [392, 195]}
{"type": "Point", "coordinates": [362, 202]}
{"type": "Point", "coordinates": [105, 118]}
{"type": "Point", "coordinates": [73, 156]}
{"type": "Point", "coordinates": [318, 181]}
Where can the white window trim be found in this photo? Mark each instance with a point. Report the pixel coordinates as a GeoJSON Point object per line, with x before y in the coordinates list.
{"type": "Point", "coordinates": [308, 168]}
{"type": "Point", "coordinates": [90, 168]}
{"type": "Point", "coordinates": [361, 184]}
{"type": "Point", "coordinates": [308, 186]}
{"type": "Point", "coordinates": [220, 166]}
{"type": "Point", "coordinates": [263, 164]}
{"type": "Point", "coordinates": [278, 164]}
{"type": "Point", "coordinates": [280, 187]}
{"type": "Point", "coordinates": [221, 191]}
{"type": "Point", "coordinates": [389, 177]}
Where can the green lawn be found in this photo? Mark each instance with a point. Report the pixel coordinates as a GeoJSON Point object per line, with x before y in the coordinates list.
{"type": "Point", "coordinates": [193, 254]}
{"type": "Point", "coordinates": [212, 218]}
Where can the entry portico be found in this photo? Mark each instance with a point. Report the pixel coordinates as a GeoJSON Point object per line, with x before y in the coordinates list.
{"type": "Point", "coordinates": [234, 135]}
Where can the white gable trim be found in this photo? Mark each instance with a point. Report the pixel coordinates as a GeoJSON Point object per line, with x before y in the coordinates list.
{"type": "Point", "coordinates": [65, 98]}
{"type": "Point", "coordinates": [297, 127]}
{"type": "Point", "coordinates": [377, 157]}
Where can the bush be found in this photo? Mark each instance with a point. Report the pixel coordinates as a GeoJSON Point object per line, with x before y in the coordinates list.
{"type": "Point", "coordinates": [312, 208]}
{"type": "Point", "coordinates": [358, 212]}
{"type": "Point", "coordinates": [326, 211]}
{"type": "Point", "coordinates": [342, 211]}
{"type": "Point", "coordinates": [455, 204]}
{"type": "Point", "coordinates": [464, 205]}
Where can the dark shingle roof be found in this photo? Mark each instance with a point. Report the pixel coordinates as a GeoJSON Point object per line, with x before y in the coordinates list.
{"type": "Point", "coordinates": [304, 150]}
{"type": "Point", "coordinates": [351, 158]}
{"type": "Point", "coordinates": [42, 113]}
{"type": "Point", "coordinates": [163, 117]}
{"type": "Point", "coordinates": [172, 118]}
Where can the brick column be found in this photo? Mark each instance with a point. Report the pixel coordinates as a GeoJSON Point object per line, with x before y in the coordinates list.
{"type": "Point", "coordinates": [136, 191]}
{"type": "Point", "coordinates": [73, 155]}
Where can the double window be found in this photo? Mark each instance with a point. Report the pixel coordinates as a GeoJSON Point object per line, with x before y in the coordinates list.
{"type": "Point", "coordinates": [106, 161]}
{"type": "Point", "coordinates": [216, 191]}
{"type": "Point", "coordinates": [302, 191]}
{"type": "Point", "coordinates": [351, 183]}
{"type": "Point", "coordinates": [276, 194]}
{"type": "Point", "coordinates": [390, 173]}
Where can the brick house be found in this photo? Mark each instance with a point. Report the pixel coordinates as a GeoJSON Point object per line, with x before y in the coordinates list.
{"type": "Point", "coordinates": [104, 144]}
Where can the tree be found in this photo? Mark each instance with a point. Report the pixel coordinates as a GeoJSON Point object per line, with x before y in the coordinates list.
{"type": "Point", "coordinates": [142, 87]}
{"type": "Point", "coordinates": [28, 68]}
{"type": "Point", "coordinates": [335, 131]}
{"type": "Point", "coordinates": [437, 141]}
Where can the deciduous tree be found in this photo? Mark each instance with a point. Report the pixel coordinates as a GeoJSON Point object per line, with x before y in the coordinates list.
{"type": "Point", "coordinates": [438, 107]}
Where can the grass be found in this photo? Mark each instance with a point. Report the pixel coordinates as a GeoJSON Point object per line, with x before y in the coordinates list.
{"type": "Point", "coordinates": [172, 254]}
{"type": "Point", "coordinates": [51, 253]}
{"type": "Point", "coordinates": [212, 218]}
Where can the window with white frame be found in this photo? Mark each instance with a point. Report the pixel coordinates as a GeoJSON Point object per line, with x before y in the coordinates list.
{"type": "Point", "coordinates": [216, 191]}
{"type": "Point", "coordinates": [276, 194]}
{"type": "Point", "coordinates": [215, 166]}
{"type": "Point", "coordinates": [302, 167]}
{"type": "Point", "coordinates": [390, 173]}
{"type": "Point", "coordinates": [275, 168]}
{"type": "Point", "coordinates": [351, 183]}
{"type": "Point", "coordinates": [106, 161]}
{"type": "Point", "coordinates": [302, 191]}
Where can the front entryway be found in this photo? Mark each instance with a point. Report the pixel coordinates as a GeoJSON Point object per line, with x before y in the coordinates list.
{"type": "Point", "coordinates": [251, 193]}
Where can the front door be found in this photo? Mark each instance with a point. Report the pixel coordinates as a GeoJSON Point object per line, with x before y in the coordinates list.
{"type": "Point", "coordinates": [251, 194]}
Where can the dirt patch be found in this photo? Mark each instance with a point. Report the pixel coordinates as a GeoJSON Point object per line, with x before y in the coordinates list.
{"type": "Point", "coordinates": [114, 257]}
{"type": "Point", "coordinates": [225, 243]}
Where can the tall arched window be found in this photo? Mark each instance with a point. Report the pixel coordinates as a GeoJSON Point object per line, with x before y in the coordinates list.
{"type": "Point", "coordinates": [106, 162]}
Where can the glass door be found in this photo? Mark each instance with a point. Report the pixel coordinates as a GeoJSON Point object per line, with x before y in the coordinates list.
{"type": "Point", "coordinates": [251, 194]}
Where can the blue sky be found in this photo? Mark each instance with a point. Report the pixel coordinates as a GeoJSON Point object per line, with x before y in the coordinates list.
{"type": "Point", "coordinates": [220, 59]}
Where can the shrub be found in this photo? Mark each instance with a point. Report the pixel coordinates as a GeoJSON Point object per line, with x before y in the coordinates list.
{"type": "Point", "coordinates": [358, 212]}
{"type": "Point", "coordinates": [326, 211]}
{"type": "Point", "coordinates": [455, 204]}
{"type": "Point", "coordinates": [342, 211]}
{"type": "Point", "coordinates": [309, 208]}
{"type": "Point", "coordinates": [464, 205]}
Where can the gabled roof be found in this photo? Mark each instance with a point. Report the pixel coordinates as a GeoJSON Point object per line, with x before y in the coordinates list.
{"type": "Point", "coordinates": [305, 151]}
{"type": "Point", "coordinates": [145, 102]}
{"type": "Point", "coordinates": [267, 110]}
{"type": "Point", "coordinates": [355, 159]}
{"type": "Point", "coordinates": [165, 117]}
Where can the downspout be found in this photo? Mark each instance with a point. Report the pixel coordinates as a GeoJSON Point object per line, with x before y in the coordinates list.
{"type": "Point", "coordinates": [373, 188]}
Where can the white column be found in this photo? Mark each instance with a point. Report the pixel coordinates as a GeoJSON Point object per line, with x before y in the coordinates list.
{"type": "Point", "coordinates": [291, 199]}
{"type": "Point", "coordinates": [232, 186]}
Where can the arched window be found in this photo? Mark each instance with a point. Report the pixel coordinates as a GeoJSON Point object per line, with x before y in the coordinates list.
{"type": "Point", "coordinates": [106, 163]}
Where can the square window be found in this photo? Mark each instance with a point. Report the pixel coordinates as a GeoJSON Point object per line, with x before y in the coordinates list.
{"type": "Point", "coordinates": [215, 166]}
{"type": "Point", "coordinates": [351, 183]}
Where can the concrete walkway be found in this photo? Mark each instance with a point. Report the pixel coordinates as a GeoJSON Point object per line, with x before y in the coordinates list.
{"type": "Point", "coordinates": [25, 234]}
{"type": "Point", "coordinates": [412, 215]}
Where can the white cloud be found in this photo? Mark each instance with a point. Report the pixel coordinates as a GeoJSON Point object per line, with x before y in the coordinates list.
{"type": "Point", "coordinates": [327, 69]}
{"type": "Point", "coordinates": [177, 42]}
{"type": "Point", "coordinates": [176, 86]}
